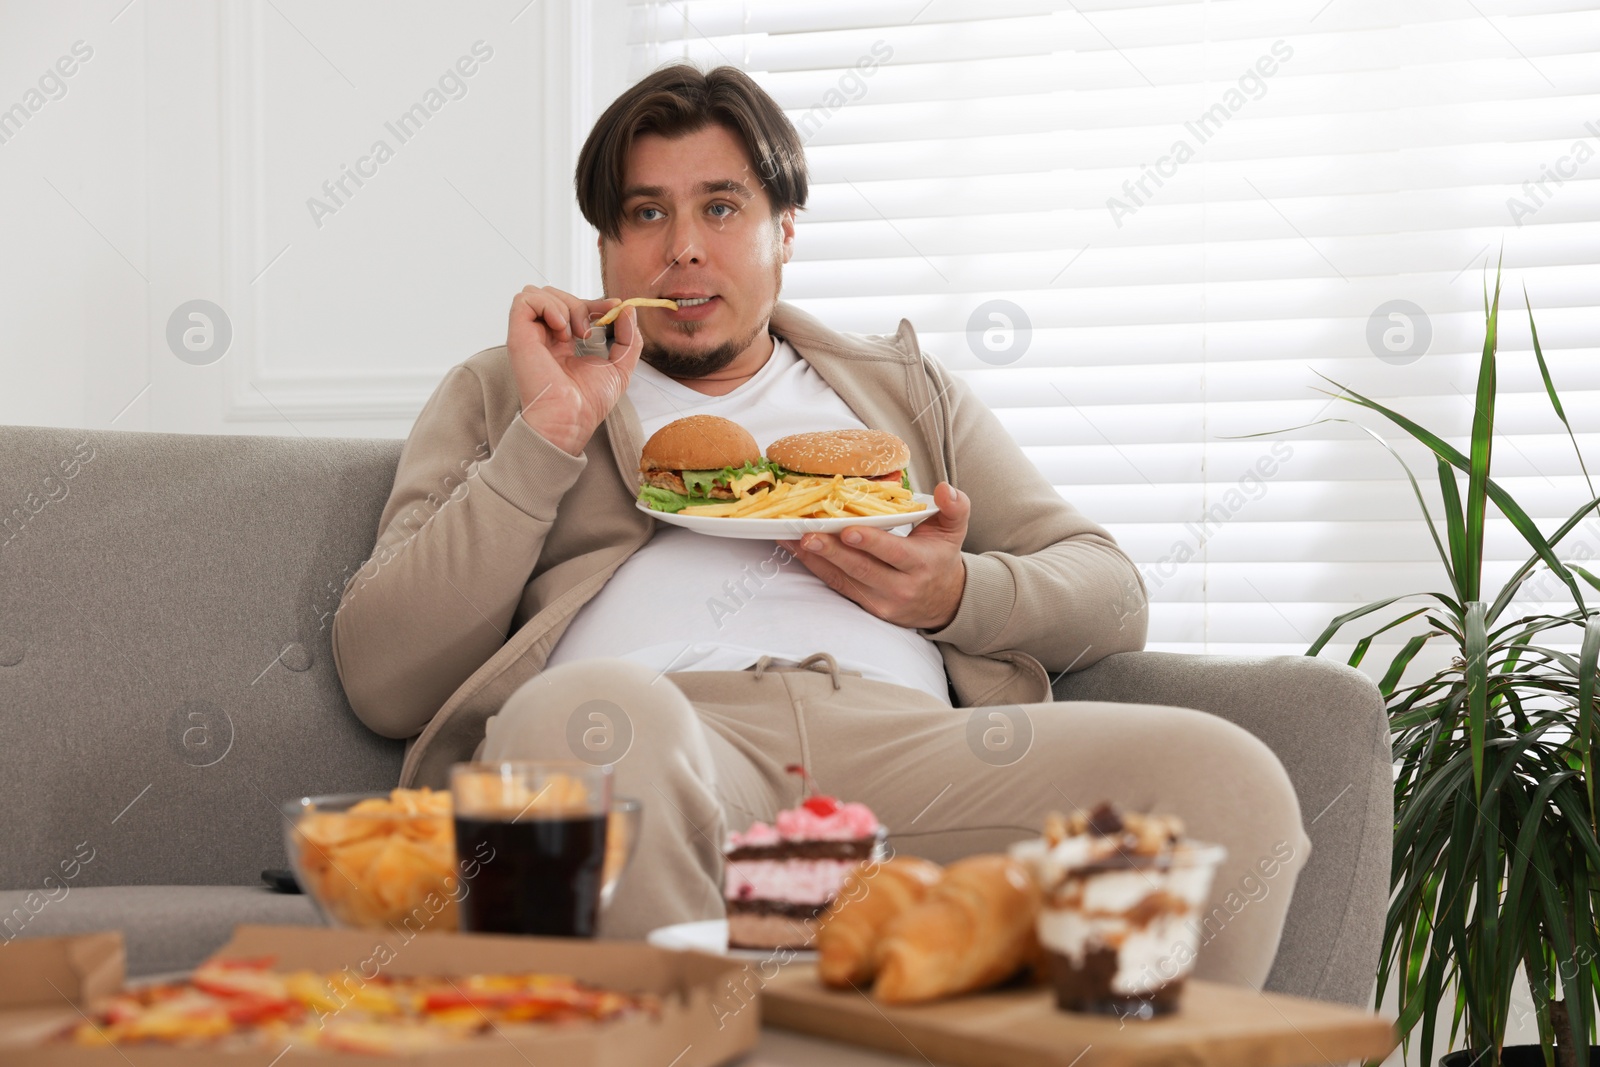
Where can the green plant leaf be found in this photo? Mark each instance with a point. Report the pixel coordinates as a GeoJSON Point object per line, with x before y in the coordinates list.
{"type": "Point", "coordinates": [1550, 389]}
{"type": "Point", "coordinates": [1418, 817]}
{"type": "Point", "coordinates": [1471, 569]}
{"type": "Point", "coordinates": [1402, 660]}
{"type": "Point", "coordinates": [1453, 627]}
{"type": "Point", "coordinates": [1509, 591]}
{"type": "Point", "coordinates": [1588, 664]}
{"type": "Point", "coordinates": [1502, 500]}
{"type": "Point", "coordinates": [1454, 919]}
{"type": "Point", "coordinates": [1436, 968]}
{"type": "Point", "coordinates": [1554, 912]}
{"type": "Point", "coordinates": [1575, 820]}
{"type": "Point", "coordinates": [1350, 616]}
{"type": "Point", "coordinates": [1366, 642]}
{"type": "Point", "coordinates": [1455, 521]}
{"type": "Point", "coordinates": [1542, 988]}
{"type": "Point", "coordinates": [1580, 987]}
{"type": "Point", "coordinates": [1426, 973]}
{"type": "Point", "coordinates": [1450, 565]}
{"type": "Point", "coordinates": [1522, 900]}
{"type": "Point", "coordinates": [1477, 687]}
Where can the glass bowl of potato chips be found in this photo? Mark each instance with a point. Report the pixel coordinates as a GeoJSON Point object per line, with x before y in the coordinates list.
{"type": "Point", "coordinates": [377, 860]}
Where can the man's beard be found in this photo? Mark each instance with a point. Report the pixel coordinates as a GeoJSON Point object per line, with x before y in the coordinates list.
{"type": "Point", "coordinates": [675, 363]}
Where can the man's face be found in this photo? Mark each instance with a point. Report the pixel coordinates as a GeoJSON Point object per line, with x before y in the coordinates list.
{"type": "Point", "coordinates": [697, 222]}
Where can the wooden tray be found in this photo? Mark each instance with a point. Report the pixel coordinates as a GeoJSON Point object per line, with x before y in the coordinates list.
{"type": "Point", "coordinates": [1218, 1026]}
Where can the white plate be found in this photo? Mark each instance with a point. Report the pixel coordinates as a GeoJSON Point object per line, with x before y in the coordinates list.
{"type": "Point", "coordinates": [711, 935]}
{"type": "Point", "coordinates": [772, 529]}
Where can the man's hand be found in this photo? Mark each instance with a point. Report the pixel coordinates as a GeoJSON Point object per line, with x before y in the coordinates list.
{"type": "Point", "coordinates": [565, 397]}
{"type": "Point", "coordinates": [913, 581]}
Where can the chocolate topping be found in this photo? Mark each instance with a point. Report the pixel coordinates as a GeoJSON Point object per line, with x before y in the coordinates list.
{"type": "Point", "coordinates": [775, 907]}
{"type": "Point", "coordinates": [859, 849]}
{"type": "Point", "coordinates": [1088, 988]}
{"type": "Point", "coordinates": [1104, 820]}
{"type": "Point", "coordinates": [1137, 832]}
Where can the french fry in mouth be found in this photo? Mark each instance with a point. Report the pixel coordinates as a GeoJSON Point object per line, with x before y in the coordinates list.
{"type": "Point", "coordinates": [635, 301]}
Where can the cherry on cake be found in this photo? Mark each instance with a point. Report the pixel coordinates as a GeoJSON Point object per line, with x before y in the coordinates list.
{"type": "Point", "coordinates": [780, 878]}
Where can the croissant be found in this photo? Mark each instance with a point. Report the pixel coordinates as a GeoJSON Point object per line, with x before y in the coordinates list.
{"type": "Point", "coordinates": [871, 897]}
{"type": "Point", "coordinates": [976, 928]}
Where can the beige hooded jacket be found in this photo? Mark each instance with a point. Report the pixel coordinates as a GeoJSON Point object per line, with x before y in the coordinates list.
{"type": "Point", "coordinates": [493, 538]}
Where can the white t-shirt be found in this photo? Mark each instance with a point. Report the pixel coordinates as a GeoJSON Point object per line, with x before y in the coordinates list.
{"type": "Point", "coordinates": [688, 602]}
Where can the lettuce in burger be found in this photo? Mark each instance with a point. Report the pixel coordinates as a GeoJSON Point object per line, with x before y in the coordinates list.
{"type": "Point", "coordinates": [702, 459]}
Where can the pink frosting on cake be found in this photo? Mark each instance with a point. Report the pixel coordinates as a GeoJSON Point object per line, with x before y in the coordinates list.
{"type": "Point", "coordinates": [850, 822]}
{"type": "Point", "coordinates": [791, 881]}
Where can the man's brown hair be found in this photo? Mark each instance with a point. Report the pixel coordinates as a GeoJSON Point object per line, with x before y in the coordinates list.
{"type": "Point", "coordinates": [681, 99]}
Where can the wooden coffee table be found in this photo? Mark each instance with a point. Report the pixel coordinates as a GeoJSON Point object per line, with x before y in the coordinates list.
{"type": "Point", "coordinates": [786, 1048]}
{"type": "Point", "coordinates": [1218, 1026]}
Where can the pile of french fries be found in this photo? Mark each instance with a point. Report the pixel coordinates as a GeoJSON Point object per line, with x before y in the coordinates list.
{"type": "Point", "coordinates": [816, 498]}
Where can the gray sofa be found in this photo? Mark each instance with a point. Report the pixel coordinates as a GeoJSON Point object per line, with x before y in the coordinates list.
{"type": "Point", "coordinates": [166, 680]}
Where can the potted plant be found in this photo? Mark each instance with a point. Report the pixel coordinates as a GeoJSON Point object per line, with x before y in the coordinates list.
{"type": "Point", "coordinates": [1496, 865]}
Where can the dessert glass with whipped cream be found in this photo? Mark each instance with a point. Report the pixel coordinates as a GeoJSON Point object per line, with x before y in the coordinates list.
{"type": "Point", "coordinates": [778, 879]}
{"type": "Point", "coordinates": [1122, 898]}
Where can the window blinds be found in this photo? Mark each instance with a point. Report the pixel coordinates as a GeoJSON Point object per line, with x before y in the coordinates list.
{"type": "Point", "coordinates": [1141, 230]}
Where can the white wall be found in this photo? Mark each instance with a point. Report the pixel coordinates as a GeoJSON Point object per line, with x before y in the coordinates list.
{"type": "Point", "coordinates": [177, 161]}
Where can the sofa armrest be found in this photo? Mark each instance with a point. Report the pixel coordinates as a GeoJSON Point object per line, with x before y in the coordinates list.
{"type": "Point", "coordinates": [1328, 726]}
{"type": "Point", "coordinates": [1230, 686]}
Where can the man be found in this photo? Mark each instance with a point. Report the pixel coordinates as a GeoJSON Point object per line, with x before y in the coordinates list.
{"type": "Point", "coordinates": [531, 611]}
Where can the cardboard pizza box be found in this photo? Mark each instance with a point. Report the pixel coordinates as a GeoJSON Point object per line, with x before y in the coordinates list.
{"type": "Point", "coordinates": [708, 1015]}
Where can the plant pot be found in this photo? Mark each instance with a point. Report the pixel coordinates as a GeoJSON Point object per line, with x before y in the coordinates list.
{"type": "Point", "coordinates": [1512, 1056]}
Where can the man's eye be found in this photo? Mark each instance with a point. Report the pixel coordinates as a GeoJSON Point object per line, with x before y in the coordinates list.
{"type": "Point", "coordinates": [645, 210]}
{"type": "Point", "coordinates": [730, 208]}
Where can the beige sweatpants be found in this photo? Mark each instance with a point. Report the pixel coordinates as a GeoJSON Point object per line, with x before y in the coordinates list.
{"type": "Point", "coordinates": [706, 751]}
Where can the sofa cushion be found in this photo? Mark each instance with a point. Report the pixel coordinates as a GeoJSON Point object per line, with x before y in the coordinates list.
{"type": "Point", "coordinates": [165, 927]}
{"type": "Point", "coordinates": [165, 660]}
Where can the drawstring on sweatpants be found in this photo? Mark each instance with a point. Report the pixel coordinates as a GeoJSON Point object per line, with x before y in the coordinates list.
{"type": "Point", "coordinates": [810, 663]}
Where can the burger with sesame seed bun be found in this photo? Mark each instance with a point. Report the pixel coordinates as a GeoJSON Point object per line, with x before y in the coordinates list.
{"type": "Point", "coordinates": [876, 455]}
{"type": "Point", "coordinates": [701, 459]}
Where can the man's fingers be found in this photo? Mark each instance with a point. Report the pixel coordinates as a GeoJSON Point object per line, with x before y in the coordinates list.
{"type": "Point", "coordinates": [950, 524]}
{"type": "Point", "coordinates": [576, 312]}
{"type": "Point", "coordinates": [596, 309]}
{"type": "Point", "coordinates": [526, 322]}
{"type": "Point", "coordinates": [880, 544]}
{"type": "Point", "coordinates": [541, 306]}
{"type": "Point", "coordinates": [583, 311]}
{"type": "Point", "coordinates": [852, 561]}
{"type": "Point", "coordinates": [564, 315]}
{"type": "Point", "coordinates": [950, 498]}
